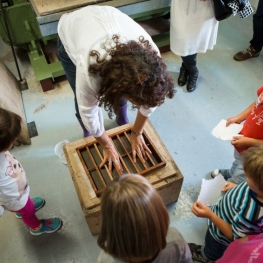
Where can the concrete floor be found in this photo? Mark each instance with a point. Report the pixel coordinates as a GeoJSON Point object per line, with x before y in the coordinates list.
{"type": "Point", "coordinates": [225, 88]}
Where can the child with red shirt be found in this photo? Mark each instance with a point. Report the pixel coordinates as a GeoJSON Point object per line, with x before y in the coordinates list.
{"type": "Point", "coordinates": [251, 135]}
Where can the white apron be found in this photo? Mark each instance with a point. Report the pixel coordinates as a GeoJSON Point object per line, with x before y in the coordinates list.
{"type": "Point", "coordinates": [193, 27]}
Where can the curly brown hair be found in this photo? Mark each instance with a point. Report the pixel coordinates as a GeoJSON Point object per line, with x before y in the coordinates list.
{"type": "Point", "coordinates": [134, 72]}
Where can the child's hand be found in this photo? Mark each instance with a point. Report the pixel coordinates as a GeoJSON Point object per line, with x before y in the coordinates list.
{"type": "Point", "coordinates": [228, 186]}
{"type": "Point", "coordinates": [201, 210]}
{"type": "Point", "coordinates": [233, 120]}
{"type": "Point", "coordinates": [241, 141]}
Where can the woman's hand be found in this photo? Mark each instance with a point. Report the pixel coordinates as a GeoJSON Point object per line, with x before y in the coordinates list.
{"type": "Point", "coordinates": [139, 146]}
{"type": "Point", "coordinates": [110, 153]}
{"type": "Point", "coordinates": [201, 210]}
{"type": "Point", "coordinates": [137, 142]}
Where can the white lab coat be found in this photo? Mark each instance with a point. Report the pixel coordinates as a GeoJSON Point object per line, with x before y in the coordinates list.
{"type": "Point", "coordinates": [193, 27]}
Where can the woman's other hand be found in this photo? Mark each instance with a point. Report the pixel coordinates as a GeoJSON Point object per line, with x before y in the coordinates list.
{"type": "Point", "coordinates": [139, 146]}
{"type": "Point", "coordinates": [137, 142]}
{"type": "Point", "coordinates": [111, 156]}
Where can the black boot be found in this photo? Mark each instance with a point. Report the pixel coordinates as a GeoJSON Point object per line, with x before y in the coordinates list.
{"type": "Point", "coordinates": [183, 76]}
{"type": "Point", "coordinates": [86, 133]}
{"type": "Point", "coordinates": [192, 79]}
{"type": "Point", "coordinates": [190, 64]}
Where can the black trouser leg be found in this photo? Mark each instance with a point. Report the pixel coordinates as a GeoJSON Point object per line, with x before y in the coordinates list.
{"type": "Point", "coordinates": [257, 40]}
{"type": "Point", "coordinates": [190, 64]}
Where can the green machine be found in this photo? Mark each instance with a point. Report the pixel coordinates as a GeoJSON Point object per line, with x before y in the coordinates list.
{"type": "Point", "coordinates": [24, 24]}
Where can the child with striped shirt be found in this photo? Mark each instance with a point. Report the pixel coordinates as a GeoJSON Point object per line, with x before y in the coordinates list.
{"type": "Point", "coordinates": [238, 214]}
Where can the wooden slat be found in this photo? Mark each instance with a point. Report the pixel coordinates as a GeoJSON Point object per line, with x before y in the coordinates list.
{"type": "Point", "coordinates": [138, 156]}
{"type": "Point", "coordinates": [106, 166]}
{"type": "Point", "coordinates": [128, 155]}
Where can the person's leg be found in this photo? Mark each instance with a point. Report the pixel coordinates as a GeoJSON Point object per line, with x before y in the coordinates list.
{"type": "Point", "coordinates": [38, 203]}
{"type": "Point", "coordinates": [257, 40]}
{"type": "Point", "coordinates": [212, 250]}
{"type": "Point", "coordinates": [36, 226]}
{"type": "Point", "coordinates": [190, 64]}
{"type": "Point", "coordinates": [256, 43]}
{"type": "Point", "coordinates": [28, 215]}
{"type": "Point", "coordinates": [121, 116]}
{"type": "Point", "coordinates": [209, 252]}
{"type": "Point", "coordinates": [70, 71]}
{"type": "Point", "coordinates": [183, 75]}
{"type": "Point", "coordinates": [237, 174]}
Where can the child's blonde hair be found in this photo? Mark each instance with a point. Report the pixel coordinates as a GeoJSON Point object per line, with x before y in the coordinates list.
{"type": "Point", "coordinates": [253, 165]}
{"type": "Point", "coordinates": [10, 128]}
{"type": "Point", "coordinates": [134, 218]}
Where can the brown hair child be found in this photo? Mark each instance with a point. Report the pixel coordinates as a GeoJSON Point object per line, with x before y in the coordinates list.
{"type": "Point", "coordinates": [135, 223]}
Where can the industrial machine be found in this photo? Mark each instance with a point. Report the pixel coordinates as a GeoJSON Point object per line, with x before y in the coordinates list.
{"type": "Point", "coordinates": [31, 24]}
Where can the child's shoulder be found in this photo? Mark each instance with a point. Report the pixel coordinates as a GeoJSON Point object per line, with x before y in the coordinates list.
{"type": "Point", "coordinates": [236, 194]}
{"type": "Point", "coordinates": [238, 188]}
{"type": "Point", "coordinates": [176, 250]}
{"type": "Point", "coordinates": [5, 155]}
{"type": "Point", "coordinates": [3, 164]}
{"type": "Point", "coordinates": [2, 156]}
{"type": "Point", "coordinates": [260, 91]}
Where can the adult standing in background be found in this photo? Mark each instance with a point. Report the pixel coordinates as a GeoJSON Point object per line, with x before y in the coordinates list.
{"type": "Point", "coordinates": [109, 59]}
{"type": "Point", "coordinates": [193, 30]}
{"type": "Point", "coordinates": [256, 43]}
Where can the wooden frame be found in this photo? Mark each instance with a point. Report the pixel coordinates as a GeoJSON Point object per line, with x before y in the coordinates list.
{"type": "Point", "coordinates": [91, 156]}
{"type": "Point", "coordinates": [166, 180]}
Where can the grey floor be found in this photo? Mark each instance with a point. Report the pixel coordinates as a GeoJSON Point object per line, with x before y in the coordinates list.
{"type": "Point", "coordinates": [184, 123]}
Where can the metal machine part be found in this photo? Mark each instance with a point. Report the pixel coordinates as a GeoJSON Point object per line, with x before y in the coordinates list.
{"type": "Point", "coordinates": [33, 23]}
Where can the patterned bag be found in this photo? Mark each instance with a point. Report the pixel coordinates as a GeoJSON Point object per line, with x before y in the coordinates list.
{"type": "Point", "coordinates": [222, 11]}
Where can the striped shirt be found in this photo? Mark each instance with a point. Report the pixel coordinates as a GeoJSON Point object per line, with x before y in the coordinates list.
{"type": "Point", "coordinates": [240, 208]}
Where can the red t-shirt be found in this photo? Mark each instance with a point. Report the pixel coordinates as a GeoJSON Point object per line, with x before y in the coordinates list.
{"type": "Point", "coordinates": [250, 251]}
{"type": "Point", "coordinates": [253, 125]}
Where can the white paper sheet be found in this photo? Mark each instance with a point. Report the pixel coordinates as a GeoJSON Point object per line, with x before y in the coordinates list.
{"type": "Point", "coordinates": [226, 133]}
{"type": "Point", "coordinates": [211, 190]}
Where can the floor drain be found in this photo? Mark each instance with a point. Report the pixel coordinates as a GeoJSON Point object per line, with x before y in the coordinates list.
{"type": "Point", "coordinates": [32, 129]}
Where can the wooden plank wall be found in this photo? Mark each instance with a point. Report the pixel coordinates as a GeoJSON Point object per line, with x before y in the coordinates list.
{"type": "Point", "coordinates": [11, 99]}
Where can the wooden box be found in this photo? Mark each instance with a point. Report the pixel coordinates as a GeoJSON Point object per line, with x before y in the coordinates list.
{"type": "Point", "coordinates": [160, 169]}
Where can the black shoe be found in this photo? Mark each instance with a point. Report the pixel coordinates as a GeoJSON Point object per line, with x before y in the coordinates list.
{"type": "Point", "coordinates": [196, 253]}
{"type": "Point", "coordinates": [192, 79]}
{"type": "Point", "coordinates": [183, 76]}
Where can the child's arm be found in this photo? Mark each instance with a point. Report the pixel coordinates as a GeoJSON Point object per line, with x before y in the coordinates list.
{"type": "Point", "coordinates": [201, 210]}
{"type": "Point", "coordinates": [241, 116]}
{"type": "Point", "coordinates": [228, 186]}
{"type": "Point", "coordinates": [243, 142]}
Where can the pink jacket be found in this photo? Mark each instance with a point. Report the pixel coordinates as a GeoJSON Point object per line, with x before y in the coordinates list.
{"type": "Point", "coordinates": [250, 251]}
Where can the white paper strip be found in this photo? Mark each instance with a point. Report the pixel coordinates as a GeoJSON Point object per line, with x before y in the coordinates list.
{"type": "Point", "coordinates": [226, 133]}
{"type": "Point", "coordinates": [211, 190]}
